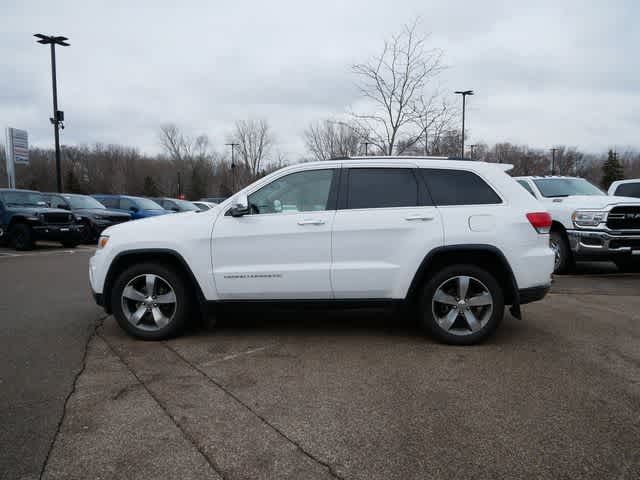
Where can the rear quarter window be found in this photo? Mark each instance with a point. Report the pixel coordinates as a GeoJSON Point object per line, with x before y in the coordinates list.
{"type": "Point", "coordinates": [458, 187]}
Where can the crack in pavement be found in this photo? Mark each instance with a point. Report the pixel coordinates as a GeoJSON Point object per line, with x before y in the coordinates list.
{"type": "Point", "coordinates": [74, 384]}
{"type": "Point", "coordinates": [215, 467]}
{"type": "Point", "coordinates": [235, 397]}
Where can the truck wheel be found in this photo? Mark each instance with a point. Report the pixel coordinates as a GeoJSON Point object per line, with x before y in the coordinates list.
{"type": "Point", "coordinates": [86, 234]}
{"type": "Point", "coordinates": [563, 258]}
{"type": "Point", "coordinates": [462, 305]}
{"type": "Point", "coordinates": [21, 237]}
{"type": "Point", "coordinates": [150, 301]}
{"type": "Point", "coordinates": [71, 244]}
{"type": "Point", "coordinates": [628, 265]}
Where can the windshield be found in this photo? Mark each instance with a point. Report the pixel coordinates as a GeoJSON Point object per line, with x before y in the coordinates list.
{"type": "Point", "coordinates": [29, 199]}
{"type": "Point", "coordinates": [186, 206]}
{"type": "Point", "coordinates": [146, 204]}
{"type": "Point", "coordinates": [563, 187]}
{"type": "Point", "coordinates": [83, 202]}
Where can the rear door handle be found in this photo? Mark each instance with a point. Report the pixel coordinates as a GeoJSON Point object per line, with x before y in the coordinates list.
{"type": "Point", "coordinates": [424, 218]}
{"type": "Point", "coordinates": [311, 222]}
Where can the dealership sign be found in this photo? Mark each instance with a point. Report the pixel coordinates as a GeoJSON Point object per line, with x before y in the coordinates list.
{"type": "Point", "coordinates": [17, 151]}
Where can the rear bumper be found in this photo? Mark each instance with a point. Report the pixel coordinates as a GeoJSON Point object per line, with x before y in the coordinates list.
{"type": "Point", "coordinates": [533, 294]}
{"type": "Point", "coordinates": [602, 245]}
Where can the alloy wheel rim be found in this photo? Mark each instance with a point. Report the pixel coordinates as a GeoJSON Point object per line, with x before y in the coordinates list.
{"type": "Point", "coordinates": [149, 302]}
{"type": "Point", "coordinates": [556, 252]}
{"type": "Point", "coordinates": [462, 305]}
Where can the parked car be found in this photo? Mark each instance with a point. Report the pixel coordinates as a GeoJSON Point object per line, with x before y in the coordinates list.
{"type": "Point", "coordinates": [94, 216]}
{"type": "Point", "coordinates": [625, 188]}
{"type": "Point", "coordinates": [204, 205]}
{"type": "Point", "coordinates": [587, 223]}
{"type": "Point", "coordinates": [215, 200]}
{"type": "Point", "coordinates": [137, 207]}
{"type": "Point", "coordinates": [458, 240]}
{"type": "Point", "coordinates": [25, 218]}
{"type": "Point", "coordinates": [175, 204]}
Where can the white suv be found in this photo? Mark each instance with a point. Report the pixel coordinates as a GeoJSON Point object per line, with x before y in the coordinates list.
{"type": "Point", "coordinates": [459, 240]}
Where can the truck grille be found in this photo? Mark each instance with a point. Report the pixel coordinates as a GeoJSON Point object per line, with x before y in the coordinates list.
{"type": "Point", "coordinates": [624, 218]}
{"type": "Point", "coordinates": [57, 218]}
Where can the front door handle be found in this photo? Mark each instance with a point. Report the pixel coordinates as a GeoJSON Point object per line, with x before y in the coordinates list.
{"type": "Point", "coordinates": [311, 222]}
{"type": "Point", "coordinates": [424, 218]}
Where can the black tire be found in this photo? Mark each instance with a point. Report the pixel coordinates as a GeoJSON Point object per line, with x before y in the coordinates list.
{"type": "Point", "coordinates": [70, 244]}
{"type": "Point", "coordinates": [179, 316]}
{"type": "Point", "coordinates": [628, 265]}
{"type": "Point", "coordinates": [491, 317]}
{"type": "Point", "coordinates": [87, 234]}
{"type": "Point", "coordinates": [564, 258]}
{"type": "Point", "coordinates": [21, 237]}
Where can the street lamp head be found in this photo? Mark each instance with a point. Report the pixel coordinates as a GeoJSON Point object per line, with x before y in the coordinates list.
{"type": "Point", "coordinates": [464, 92]}
{"type": "Point", "coordinates": [49, 39]}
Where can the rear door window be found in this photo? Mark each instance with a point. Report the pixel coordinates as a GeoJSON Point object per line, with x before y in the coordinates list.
{"type": "Point", "coordinates": [381, 188]}
{"type": "Point", "coordinates": [458, 187]}
{"type": "Point", "coordinates": [628, 190]}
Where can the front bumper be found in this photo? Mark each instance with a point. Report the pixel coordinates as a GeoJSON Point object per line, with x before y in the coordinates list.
{"type": "Point", "coordinates": [592, 244]}
{"type": "Point", "coordinates": [56, 232]}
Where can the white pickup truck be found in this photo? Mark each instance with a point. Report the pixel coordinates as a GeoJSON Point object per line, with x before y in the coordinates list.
{"type": "Point", "coordinates": [588, 224]}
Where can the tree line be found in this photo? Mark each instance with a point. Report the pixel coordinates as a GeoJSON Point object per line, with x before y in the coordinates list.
{"type": "Point", "coordinates": [400, 111]}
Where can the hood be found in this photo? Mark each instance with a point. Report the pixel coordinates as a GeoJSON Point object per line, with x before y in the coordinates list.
{"type": "Point", "coordinates": [153, 213]}
{"type": "Point", "coordinates": [159, 226]}
{"type": "Point", "coordinates": [591, 201]}
{"type": "Point", "coordinates": [36, 210]}
{"type": "Point", "coordinates": [101, 211]}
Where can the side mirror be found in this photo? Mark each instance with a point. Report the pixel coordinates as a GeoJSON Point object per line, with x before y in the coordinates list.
{"type": "Point", "coordinates": [134, 209]}
{"type": "Point", "coordinates": [240, 206]}
{"type": "Point", "coordinates": [175, 209]}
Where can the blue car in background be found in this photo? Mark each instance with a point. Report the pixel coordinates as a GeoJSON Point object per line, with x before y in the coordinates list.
{"type": "Point", "coordinates": [137, 207]}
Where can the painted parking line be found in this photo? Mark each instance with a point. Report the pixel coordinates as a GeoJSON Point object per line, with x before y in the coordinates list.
{"type": "Point", "coordinates": [39, 253]}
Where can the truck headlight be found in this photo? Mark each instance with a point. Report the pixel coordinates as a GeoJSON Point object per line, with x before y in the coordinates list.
{"type": "Point", "coordinates": [102, 241]}
{"type": "Point", "coordinates": [588, 218]}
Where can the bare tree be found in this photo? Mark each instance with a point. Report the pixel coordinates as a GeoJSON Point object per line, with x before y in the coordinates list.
{"type": "Point", "coordinates": [395, 84]}
{"type": "Point", "coordinates": [331, 139]}
{"type": "Point", "coordinates": [254, 141]}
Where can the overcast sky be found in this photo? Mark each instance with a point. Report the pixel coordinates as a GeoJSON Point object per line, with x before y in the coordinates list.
{"type": "Point", "coordinates": [544, 72]}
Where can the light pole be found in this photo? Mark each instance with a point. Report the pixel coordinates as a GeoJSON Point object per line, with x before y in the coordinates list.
{"type": "Point", "coordinates": [58, 116]}
{"type": "Point", "coordinates": [366, 148]}
{"type": "Point", "coordinates": [233, 165]}
{"type": "Point", "coordinates": [464, 94]}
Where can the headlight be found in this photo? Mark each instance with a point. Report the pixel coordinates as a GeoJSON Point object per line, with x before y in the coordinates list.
{"type": "Point", "coordinates": [78, 218]}
{"type": "Point", "coordinates": [33, 219]}
{"type": "Point", "coordinates": [102, 241]}
{"type": "Point", "coordinates": [588, 218]}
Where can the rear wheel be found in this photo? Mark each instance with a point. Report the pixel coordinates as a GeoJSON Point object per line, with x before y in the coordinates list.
{"type": "Point", "coordinates": [150, 301]}
{"type": "Point", "coordinates": [21, 237]}
{"type": "Point", "coordinates": [563, 262]}
{"type": "Point", "coordinates": [462, 305]}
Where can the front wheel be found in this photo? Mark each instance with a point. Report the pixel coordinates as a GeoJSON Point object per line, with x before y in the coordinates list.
{"type": "Point", "coordinates": [563, 260]}
{"type": "Point", "coordinates": [150, 301]}
{"type": "Point", "coordinates": [21, 237]}
{"type": "Point", "coordinates": [462, 305]}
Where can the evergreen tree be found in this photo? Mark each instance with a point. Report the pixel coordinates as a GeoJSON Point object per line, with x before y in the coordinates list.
{"type": "Point", "coordinates": [611, 170]}
{"type": "Point", "coordinates": [150, 189]}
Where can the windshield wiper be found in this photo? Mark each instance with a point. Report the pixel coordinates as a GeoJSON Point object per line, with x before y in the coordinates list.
{"type": "Point", "coordinates": [558, 196]}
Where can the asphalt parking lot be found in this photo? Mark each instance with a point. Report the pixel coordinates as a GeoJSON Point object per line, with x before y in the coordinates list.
{"type": "Point", "coordinates": [349, 395]}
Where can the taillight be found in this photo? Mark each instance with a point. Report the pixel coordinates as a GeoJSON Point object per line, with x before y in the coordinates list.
{"type": "Point", "coordinates": [541, 221]}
